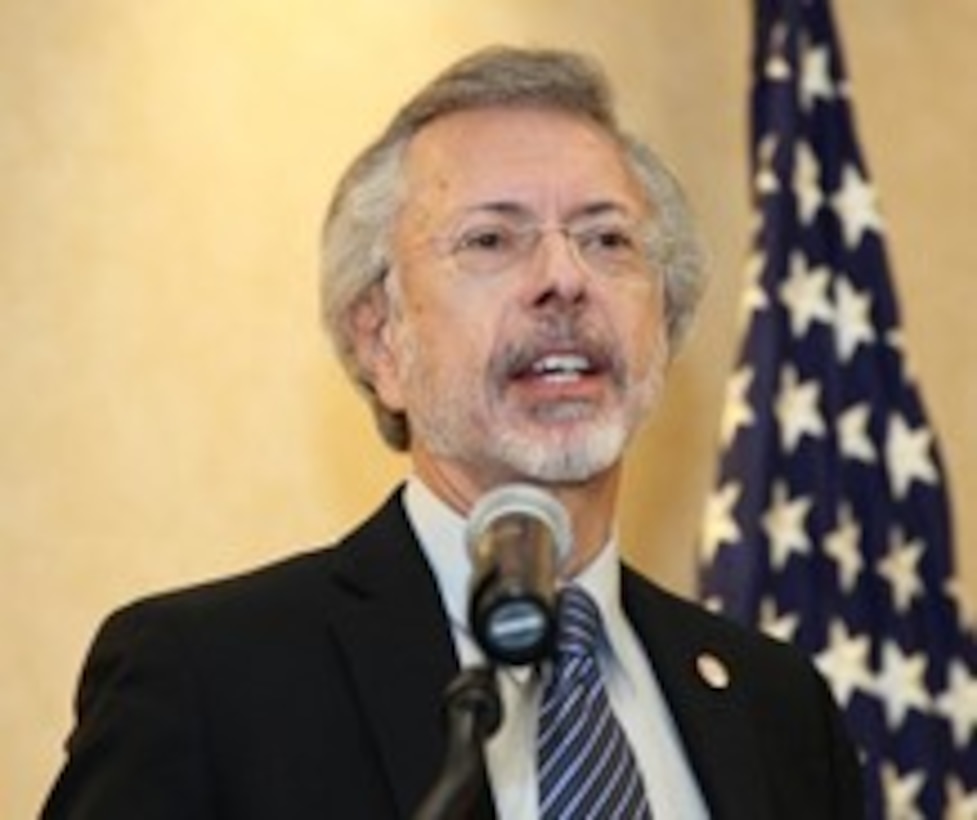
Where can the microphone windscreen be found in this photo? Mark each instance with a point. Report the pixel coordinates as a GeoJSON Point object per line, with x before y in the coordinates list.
{"type": "Point", "coordinates": [517, 535]}
{"type": "Point", "coordinates": [520, 499]}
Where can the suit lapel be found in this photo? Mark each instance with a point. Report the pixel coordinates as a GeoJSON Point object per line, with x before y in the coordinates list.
{"type": "Point", "coordinates": [389, 621]}
{"type": "Point", "coordinates": [700, 685]}
{"type": "Point", "coordinates": [392, 627]}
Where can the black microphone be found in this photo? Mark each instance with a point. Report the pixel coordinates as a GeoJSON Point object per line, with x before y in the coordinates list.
{"type": "Point", "coordinates": [517, 535]}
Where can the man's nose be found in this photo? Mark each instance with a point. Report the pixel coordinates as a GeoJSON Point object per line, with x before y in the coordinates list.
{"type": "Point", "coordinates": [558, 273]}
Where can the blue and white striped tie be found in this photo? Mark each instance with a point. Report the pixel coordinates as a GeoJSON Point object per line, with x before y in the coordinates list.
{"type": "Point", "coordinates": [586, 766]}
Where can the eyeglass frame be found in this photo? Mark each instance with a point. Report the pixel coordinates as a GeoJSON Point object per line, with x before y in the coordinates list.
{"type": "Point", "coordinates": [528, 234]}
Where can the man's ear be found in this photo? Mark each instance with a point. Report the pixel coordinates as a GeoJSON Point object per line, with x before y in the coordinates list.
{"type": "Point", "coordinates": [372, 334]}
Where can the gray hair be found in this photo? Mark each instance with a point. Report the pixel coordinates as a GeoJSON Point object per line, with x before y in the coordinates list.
{"type": "Point", "coordinates": [355, 247]}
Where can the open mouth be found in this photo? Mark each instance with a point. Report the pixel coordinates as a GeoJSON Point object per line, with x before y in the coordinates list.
{"type": "Point", "coordinates": [559, 368]}
{"type": "Point", "coordinates": [577, 374]}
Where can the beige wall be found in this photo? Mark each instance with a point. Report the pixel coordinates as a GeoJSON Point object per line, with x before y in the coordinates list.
{"type": "Point", "coordinates": [169, 410]}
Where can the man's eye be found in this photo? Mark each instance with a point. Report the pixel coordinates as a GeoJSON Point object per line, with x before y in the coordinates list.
{"type": "Point", "coordinates": [607, 240]}
{"type": "Point", "coordinates": [485, 240]}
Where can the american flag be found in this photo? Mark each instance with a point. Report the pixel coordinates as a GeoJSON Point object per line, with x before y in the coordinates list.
{"type": "Point", "coordinates": [829, 523]}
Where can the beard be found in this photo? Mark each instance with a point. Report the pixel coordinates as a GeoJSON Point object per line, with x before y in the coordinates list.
{"type": "Point", "coordinates": [463, 414]}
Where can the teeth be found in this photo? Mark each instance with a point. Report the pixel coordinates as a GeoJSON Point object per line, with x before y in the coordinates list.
{"type": "Point", "coordinates": [562, 365]}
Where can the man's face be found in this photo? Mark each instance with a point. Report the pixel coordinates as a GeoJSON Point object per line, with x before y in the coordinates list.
{"type": "Point", "coordinates": [530, 364]}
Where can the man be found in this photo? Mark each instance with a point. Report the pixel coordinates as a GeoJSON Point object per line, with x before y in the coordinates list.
{"type": "Point", "coordinates": [506, 275]}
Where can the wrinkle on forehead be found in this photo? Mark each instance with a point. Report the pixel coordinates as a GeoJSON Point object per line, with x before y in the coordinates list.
{"type": "Point", "coordinates": [551, 163]}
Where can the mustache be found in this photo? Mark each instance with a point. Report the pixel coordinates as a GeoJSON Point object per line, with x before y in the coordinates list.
{"type": "Point", "coordinates": [559, 334]}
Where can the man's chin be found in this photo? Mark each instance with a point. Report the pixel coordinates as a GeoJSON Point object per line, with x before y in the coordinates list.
{"type": "Point", "coordinates": [563, 459]}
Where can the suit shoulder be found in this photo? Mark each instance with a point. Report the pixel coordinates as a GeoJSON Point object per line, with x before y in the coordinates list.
{"type": "Point", "coordinates": [703, 630]}
{"type": "Point", "coordinates": [279, 595]}
{"type": "Point", "coordinates": [269, 593]}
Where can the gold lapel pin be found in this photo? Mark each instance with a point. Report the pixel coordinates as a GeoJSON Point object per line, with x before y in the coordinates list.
{"type": "Point", "coordinates": [713, 671]}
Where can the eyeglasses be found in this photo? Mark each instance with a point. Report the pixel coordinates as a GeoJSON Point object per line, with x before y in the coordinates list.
{"type": "Point", "coordinates": [611, 247]}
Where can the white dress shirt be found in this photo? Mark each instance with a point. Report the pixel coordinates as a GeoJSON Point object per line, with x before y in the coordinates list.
{"type": "Point", "coordinates": [633, 689]}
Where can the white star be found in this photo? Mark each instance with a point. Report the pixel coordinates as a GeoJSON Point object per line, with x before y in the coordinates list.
{"type": "Point", "coordinates": [783, 523]}
{"type": "Point", "coordinates": [805, 295]}
{"type": "Point", "coordinates": [902, 793]}
{"type": "Point", "coordinates": [853, 323]}
{"type": "Point", "coordinates": [855, 442]}
{"type": "Point", "coordinates": [895, 338]}
{"type": "Point", "coordinates": [844, 662]}
{"type": "Point", "coordinates": [907, 455]}
{"type": "Point", "coordinates": [958, 703]}
{"type": "Point", "coordinates": [961, 804]}
{"type": "Point", "coordinates": [777, 67]}
{"type": "Point", "coordinates": [816, 78]}
{"type": "Point", "coordinates": [765, 180]}
{"type": "Point", "coordinates": [781, 626]}
{"type": "Point", "coordinates": [737, 411]}
{"type": "Point", "coordinates": [899, 684]}
{"type": "Point", "coordinates": [842, 544]}
{"type": "Point", "coordinates": [796, 408]}
{"type": "Point", "coordinates": [901, 569]}
{"type": "Point", "coordinates": [856, 207]}
{"type": "Point", "coordinates": [720, 525]}
{"type": "Point", "coordinates": [754, 298]}
{"type": "Point", "coordinates": [964, 604]}
{"type": "Point", "coordinates": [807, 183]}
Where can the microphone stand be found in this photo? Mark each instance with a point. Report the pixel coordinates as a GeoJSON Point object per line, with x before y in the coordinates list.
{"type": "Point", "coordinates": [474, 712]}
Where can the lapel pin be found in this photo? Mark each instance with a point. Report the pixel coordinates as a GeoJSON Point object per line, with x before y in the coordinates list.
{"type": "Point", "coordinates": [713, 671]}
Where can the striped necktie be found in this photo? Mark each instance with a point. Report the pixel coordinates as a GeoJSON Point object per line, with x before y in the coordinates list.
{"type": "Point", "coordinates": [587, 769]}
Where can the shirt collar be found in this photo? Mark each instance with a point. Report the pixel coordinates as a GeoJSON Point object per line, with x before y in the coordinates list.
{"type": "Point", "coordinates": [441, 532]}
{"type": "Point", "coordinates": [601, 579]}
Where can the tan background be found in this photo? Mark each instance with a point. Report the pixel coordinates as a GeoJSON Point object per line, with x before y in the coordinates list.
{"type": "Point", "coordinates": [169, 411]}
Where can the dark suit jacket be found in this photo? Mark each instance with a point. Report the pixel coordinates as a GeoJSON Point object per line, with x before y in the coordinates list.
{"type": "Point", "coordinates": [312, 689]}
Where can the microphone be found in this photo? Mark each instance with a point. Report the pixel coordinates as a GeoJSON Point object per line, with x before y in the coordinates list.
{"type": "Point", "coordinates": [517, 536]}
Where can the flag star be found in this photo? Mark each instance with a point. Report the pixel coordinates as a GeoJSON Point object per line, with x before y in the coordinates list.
{"type": "Point", "coordinates": [854, 439]}
{"type": "Point", "coordinates": [777, 67]}
{"type": "Point", "coordinates": [816, 80]}
{"type": "Point", "coordinates": [765, 180]}
{"type": "Point", "coordinates": [958, 703]}
{"type": "Point", "coordinates": [807, 183]}
{"type": "Point", "coordinates": [902, 793]}
{"type": "Point", "coordinates": [783, 523]}
{"type": "Point", "coordinates": [853, 324]}
{"type": "Point", "coordinates": [737, 411]}
{"type": "Point", "coordinates": [805, 295]}
{"type": "Point", "coordinates": [907, 455]}
{"type": "Point", "coordinates": [796, 408]}
{"type": "Point", "coordinates": [960, 804]}
{"type": "Point", "coordinates": [856, 207]}
{"type": "Point", "coordinates": [966, 612]}
{"type": "Point", "coordinates": [842, 546]}
{"type": "Point", "coordinates": [901, 569]}
{"type": "Point", "coordinates": [899, 684]}
{"type": "Point", "coordinates": [895, 338]}
{"type": "Point", "coordinates": [845, 662]}
{"type": "Point", "coordinates": [781, 626]}
{"type": "Point", "coordinates": [720, 525]}
{"type": "Point", "coordinates": [754, 297]}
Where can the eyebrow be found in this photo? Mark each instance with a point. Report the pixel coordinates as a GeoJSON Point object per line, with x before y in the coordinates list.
{"type": "Point", "coordinates": [504, 207]}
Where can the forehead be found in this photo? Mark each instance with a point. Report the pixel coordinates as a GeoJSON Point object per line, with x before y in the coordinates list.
{"type": "Point", "coordinates": [538, 158]}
